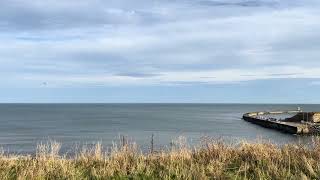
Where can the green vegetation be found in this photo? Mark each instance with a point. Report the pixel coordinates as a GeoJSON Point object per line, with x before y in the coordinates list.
{"type": "Point", "coordinates": [211, 160]}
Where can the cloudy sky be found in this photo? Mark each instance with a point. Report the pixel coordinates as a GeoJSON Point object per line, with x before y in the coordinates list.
{"type": "Point", "coordinates": [218, 51]}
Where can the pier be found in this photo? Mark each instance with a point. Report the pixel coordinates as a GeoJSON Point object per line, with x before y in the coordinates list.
{"type": "Point", "coordinates": [300, 123]}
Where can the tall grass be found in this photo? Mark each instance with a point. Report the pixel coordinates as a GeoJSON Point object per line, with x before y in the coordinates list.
{"type": "Point", "coordinates": [211, 160]}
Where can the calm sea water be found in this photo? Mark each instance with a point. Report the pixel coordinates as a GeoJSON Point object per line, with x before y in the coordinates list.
{"type": "Point", "coordinates": [23, 126]}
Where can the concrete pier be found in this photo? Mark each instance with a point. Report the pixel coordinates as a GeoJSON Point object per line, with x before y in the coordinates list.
{"type": "Point", "coordinates": [300, 123]}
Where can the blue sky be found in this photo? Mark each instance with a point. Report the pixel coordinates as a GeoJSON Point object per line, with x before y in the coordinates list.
{"type": "Point", "coordinates": [210, 51]}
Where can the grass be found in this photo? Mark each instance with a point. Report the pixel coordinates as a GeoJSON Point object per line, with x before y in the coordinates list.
{"type": "Point", "coordinates": [210, 160]}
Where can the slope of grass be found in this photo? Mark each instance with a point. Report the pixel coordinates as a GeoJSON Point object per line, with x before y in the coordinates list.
{"type": "Point", "coordinates": [212, 160]}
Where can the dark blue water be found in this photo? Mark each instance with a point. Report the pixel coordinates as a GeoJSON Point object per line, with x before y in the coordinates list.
{"type": "Point", "coordinates": [24, 125]}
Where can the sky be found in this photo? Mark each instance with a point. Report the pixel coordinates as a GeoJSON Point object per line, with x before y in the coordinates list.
{"type": "Point", "coordinates": [160, 51]}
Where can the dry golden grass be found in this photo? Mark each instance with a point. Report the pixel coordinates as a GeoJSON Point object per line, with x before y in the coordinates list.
{"type": "Point", "coordinates": [211, 160]}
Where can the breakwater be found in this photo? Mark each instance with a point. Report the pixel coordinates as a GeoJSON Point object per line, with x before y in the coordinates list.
{"type": "Point", "coordinates": [300, 123]}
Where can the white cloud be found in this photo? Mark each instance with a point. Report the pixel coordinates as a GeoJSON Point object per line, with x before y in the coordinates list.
{"type": "Point", "coordinates": [232, 44]}
{"type": "Point", "coordinates": [225, 76]}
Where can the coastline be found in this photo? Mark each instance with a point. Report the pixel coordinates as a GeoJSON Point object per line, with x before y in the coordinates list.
{"type": "Point", "coordinates": [211, 160]}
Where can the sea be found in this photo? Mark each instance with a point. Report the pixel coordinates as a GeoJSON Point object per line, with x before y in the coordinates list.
{"type": "Point", "coordinates": [24, 126]}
